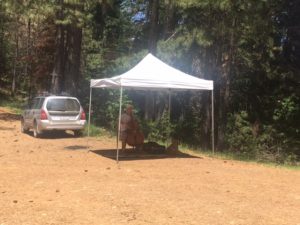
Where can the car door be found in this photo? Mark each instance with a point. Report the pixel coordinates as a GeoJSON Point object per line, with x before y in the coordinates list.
{"type": "Point", "coordinates": [28, 112]}
{"type": "Point", "coordinates": [34, 110]}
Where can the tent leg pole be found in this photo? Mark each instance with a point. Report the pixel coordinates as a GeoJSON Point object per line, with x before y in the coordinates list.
{"type": "Point", "coordinates": [119, 124]}
{"type": "Point", "coordinates": [90, 106]}
{"type": "Point", "coordinates": [212, 122]}
{"type": "Point", "coordinates": [169, 115]}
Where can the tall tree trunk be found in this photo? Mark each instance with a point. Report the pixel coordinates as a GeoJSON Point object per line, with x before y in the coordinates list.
{"type": "Point", "coordinates": [27, 72]}
{"type": "Point", "coordinates": [27, 48]}
{"type": "Point", "coordinates": [203, 56]}
{"type": "Point", "coordinates": [152, 44]}
{"type": "Point", "coordinates": [14, 78]}
{"type": "Point", "coordinates": [2, 51]}
{"type": "Point", "coordinates": [58, 68]}
{"type": "Point", "coordinates": [153, 32]}
{"type": "Point", "coordinates": [73, 73]}
{"type": "Point", "coordinates": [149, 106]}
{"type": "Point", "coordinates": [58, 72]}
{"type": "Point", "coordinates": [228, 62]}
{"type": "Point", "coordinates": [66, 73]}
{"type": "Point", "coordinates": [169, 18]}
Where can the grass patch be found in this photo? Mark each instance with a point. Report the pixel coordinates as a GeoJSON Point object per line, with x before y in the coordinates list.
{"type": "Point", "coordinates": [96, 131]}
{"type": "Point", "coordinates": [283, 166]}
{"type": "Point", "coordinates": [237, 157]}
{"type": "Point", "coordinates": [15, 105]}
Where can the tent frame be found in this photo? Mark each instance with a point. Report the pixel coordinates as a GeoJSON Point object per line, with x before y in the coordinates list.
{"type": "Point", "coordinates": [120, 113]}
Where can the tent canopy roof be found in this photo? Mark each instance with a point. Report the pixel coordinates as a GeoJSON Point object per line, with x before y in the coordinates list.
{"type": "Point", "coordinates": [152, 73]}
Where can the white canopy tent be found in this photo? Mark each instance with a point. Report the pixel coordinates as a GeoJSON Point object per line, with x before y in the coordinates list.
{"type": "Point", "coordinates": [153, 74]}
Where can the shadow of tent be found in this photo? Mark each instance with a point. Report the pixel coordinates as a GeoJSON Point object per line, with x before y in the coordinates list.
{"type": "Point", "coordinates": [76, 147]}
{"type": "Point", "coordinates": [129, 155]}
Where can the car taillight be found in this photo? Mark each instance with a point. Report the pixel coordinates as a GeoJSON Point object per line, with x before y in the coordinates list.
{"type": "Point", "coordinates": [82, 116]}
{"type": "Point", "coordinates": [43, 115]}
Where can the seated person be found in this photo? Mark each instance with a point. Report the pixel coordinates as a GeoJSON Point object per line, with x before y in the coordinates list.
{"type": "Point", "coordinates": [129, 129]}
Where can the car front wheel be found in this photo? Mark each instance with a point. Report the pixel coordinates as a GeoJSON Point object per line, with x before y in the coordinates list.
{"type": "Point", "coordinates": [24, 129]}
{"type": "Point", "coordinates": [36, 131]}
{"type": "Point", "coordinates": [77, 133]}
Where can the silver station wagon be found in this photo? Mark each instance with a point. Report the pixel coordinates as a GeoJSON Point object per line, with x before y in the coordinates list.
{"type": "Point", "coordinates": [53, 112]}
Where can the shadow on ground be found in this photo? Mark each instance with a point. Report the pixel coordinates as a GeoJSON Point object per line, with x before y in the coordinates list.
{"type": "Point", "coordinates": [76, 147]}
{"type": "Point", "coordinates": [56, 134]}
{"type": "Point", "coordinates": [128, 155]}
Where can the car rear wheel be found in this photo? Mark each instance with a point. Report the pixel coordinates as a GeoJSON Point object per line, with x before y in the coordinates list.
{"type": "Point", "coordinates": [36, 131]}
{"type": "Point", "coordinates": [77, 133]}
{"type": "Point", "coordinates": [24, 129]}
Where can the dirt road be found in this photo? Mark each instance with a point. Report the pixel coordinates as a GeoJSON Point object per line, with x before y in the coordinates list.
{"type": "Point", "coordinates": [57, 180]}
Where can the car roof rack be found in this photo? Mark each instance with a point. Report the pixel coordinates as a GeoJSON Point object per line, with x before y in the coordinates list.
{"type": "Point", "coordinates": [44, 93]}
{"type": "Point", "coordinates": [64, 94]}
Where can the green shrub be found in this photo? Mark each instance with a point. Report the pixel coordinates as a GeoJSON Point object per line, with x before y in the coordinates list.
{"type": "Point", "coordinates": [105, 108]}
{"type": "Point", "coordinates": [95, 131]}
{"type": "Point", "coordinates": [269, 145]}
{"type": "Point", "coordinates": [292, 159]}
{"type": "Point", "coordinates": [239, 135]}
{"type": "Point", "coordinates": [159, 130]}
{"type": "Point", "coordinates": [15, 104]}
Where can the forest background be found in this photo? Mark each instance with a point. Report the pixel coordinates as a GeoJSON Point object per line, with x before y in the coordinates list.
{"type": "Point", "coordinates": [250, 49]}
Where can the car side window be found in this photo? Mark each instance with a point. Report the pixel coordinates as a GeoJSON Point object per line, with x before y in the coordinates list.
{"type": "Point", "coordinates": [40, 103]}
{"type": "Point", "coordinates": [35, 104]}
{"type": "Point", "coordinates": [30, 104]}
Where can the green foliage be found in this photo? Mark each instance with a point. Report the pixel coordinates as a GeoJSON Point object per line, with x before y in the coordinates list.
{"type": "Point", "coordinates": [112, 107]}
{"type": "Point", "coordinates": [269, 145]}
{"type": "Point", "coordinates": [95, 131]}
{"type": "Point", "coordinates": [125, 63]}
{"type": "Point", "coordinates": [16, 104]}
{"type": "Point", "coordinates": [160, 130]}
{"type": "Point", "coordinates": [287, 111]}
{"type": "Point", "coordinates": [239, 134]}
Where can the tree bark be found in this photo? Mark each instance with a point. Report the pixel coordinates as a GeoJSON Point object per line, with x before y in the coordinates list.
{"type": "Point", "coordinates": [152, 44]}
{"type": "Point", "coordinates": [2, 51]}
{"type": "Point", "coordinates": [73, 73]}
{"type": "Point", "coordinates": [149, 106]}
{"type": "Point", "coordinates": [169, 18]}
{"type": "Point", "coordinates": [224, 94]}
{"type": "Point", "coordinates": [66, 72]}
{"type": "Point", "coordinates": [58, 71]}
{"type": "Point", "coordinates": [14, 78]}
{"type": "Point", "coordinates": [27, 48]}
{"type": "Point", "coordinates": [153, 32]}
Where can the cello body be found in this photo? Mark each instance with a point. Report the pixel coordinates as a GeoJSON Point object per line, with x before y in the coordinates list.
{"type": "Point", "coordinates": [135, 135]}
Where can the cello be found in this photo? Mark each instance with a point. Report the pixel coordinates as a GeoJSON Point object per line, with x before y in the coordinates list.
{"type": "Point", "coordinates": [135, 135]}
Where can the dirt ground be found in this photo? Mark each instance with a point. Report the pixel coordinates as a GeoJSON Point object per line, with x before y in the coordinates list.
{"type": "Point", "coordinates": [58, 180]}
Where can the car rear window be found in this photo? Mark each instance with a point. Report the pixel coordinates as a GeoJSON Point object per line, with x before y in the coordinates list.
{"type": "Point", "coordinates": [63, 105]}
{"type": "Point", "coordinates": [37, 103]}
